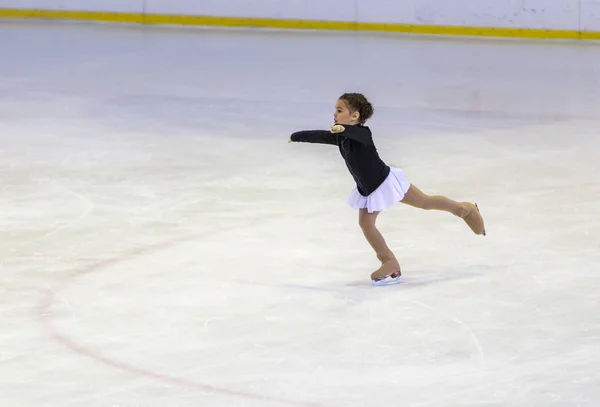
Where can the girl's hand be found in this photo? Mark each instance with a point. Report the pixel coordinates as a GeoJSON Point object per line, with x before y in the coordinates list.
{"type": "Point", "coordinates": [338, 128]}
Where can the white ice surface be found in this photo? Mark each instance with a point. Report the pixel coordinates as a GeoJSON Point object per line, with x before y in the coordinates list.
{"type": "Point", "coordinates": [161, 244]}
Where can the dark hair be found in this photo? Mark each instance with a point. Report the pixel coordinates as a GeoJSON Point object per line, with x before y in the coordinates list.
{"type": "Point", "coordinates": [357, 102]}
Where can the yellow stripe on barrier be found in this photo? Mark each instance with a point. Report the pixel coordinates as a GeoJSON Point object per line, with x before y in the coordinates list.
{"type": "Point", "coordinates": [170, 19]}
{"type": "Point", "coordinates": [137, 18]}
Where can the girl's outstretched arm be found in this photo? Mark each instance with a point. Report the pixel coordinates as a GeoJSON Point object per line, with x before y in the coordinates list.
{"type": "Point", "coordinates": [314, 136]}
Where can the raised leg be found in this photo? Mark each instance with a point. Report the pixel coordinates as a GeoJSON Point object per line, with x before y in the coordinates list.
{"type": "Point", "coordinates": [465, 210]}
{"type": "Point", "coordinates": [415, 197]}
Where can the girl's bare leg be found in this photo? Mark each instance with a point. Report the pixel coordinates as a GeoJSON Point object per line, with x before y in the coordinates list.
{"type": "Point", "coordinates": [389, 263]}
{"type": "Point", "coordinates": [465, 210]}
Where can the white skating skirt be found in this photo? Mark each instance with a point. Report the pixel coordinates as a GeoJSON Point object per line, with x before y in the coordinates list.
{"type": "Point", "coordinates": [388, 194]}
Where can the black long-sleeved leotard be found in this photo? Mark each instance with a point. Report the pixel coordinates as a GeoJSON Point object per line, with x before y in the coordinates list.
{"type": "Point", "coordinates": [358, 150]}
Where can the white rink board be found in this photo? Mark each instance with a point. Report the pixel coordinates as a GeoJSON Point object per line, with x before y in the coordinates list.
{"type": "Point", "coordinates": [486, 13]}
{"type": "Point", "coordinates": [122, 6]}
{"type": "Point", "coordinates": [540, 14]}
{"type": "Point", "coordinates": [590, 15]}
{"type": "Point", "coordinates": [340, 10]}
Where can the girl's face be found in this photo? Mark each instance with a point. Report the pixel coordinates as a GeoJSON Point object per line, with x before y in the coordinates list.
{"type": "Point", "coordinates": [343, 115]}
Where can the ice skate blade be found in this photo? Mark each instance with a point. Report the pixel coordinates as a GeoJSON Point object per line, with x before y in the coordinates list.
{"type": "Point", "coordinates": [386, 281]}
{"type": "Point", "coordinates": [484, 232]}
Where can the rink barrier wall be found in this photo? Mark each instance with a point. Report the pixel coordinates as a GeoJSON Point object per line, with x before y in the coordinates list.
{"type": "Point", "coordinates": [250, 22]}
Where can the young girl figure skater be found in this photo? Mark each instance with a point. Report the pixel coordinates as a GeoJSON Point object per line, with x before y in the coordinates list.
{"type": "Point", "coordinates": [378, 186]}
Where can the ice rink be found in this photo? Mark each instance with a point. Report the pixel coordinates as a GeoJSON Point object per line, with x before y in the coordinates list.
{"type": "Point", "coordinates": [163, 245]}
